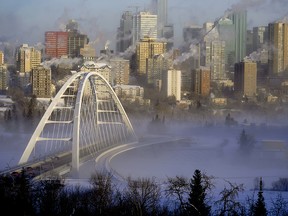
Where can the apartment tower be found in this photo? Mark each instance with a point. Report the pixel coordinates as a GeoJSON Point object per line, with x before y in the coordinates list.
{"type": "Point", "coordinates": [56, 44]}
{"type": "Point", "coordinates": [245, 78]}
{"type": "Point", "coordinates": [120, 69]}
{"type": "Point", "coordinates": [147, 48]}
{"type": "Point", "coordinates": [4, 77]}
{"type": "Point", "coordinates": [172, 83]}
{"type": "Point", "coordinates": [201, 81]}
{"type": "Point", "coordinates": [278, 52]}
{"type": "Point", "coordinates": [41, 82]}
{"type": "Point", "coordinates": [1, 58]}
{"type": "Point", "coordinates": [27, 58]}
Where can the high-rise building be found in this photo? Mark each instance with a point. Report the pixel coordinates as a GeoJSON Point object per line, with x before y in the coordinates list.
{"type": "Point", "coordinates": [4, 77]}
{"type": "Point", "coordinates": [260, 37]}
{"type": "Point", "coordinates": [76, 41]}
{"type": "Point", "coordinates": [192, 33]}
{"type": "Point", "coordinates": [24, 80]}
{"type": "Point", "coordinates": [168, 36]}
{"type": "Point", "coordinates": [208, 26]}
{"type": "Point", "coordinates": [67, 43]}
{"type": "Point", "coordinates": [201, 81]}
{"type": "Point", "coordinates": [56, 44]}
{"type": "Point", "coordinates": [215, 59]}
{"type": "Point", "coordinates": [120, 69]}
{"type": "Point", "coordinates": [245, 78]}
{"type": "Point", "coordinates": [41, 82]}
{"type": "Point", "coordinates": [156, 66]}
{"type": "Point", "coordinates": [27, 58]}
{"type": "Point", "coordinates": [278, 53]}
{"type": "Point", "coordinates": [1, 58]}
{"type": "Point", "coordinates": [72, 25]}
{"type": "Point", "coordinates": [249, 42]}
{"type": "Point", "coordinates": [172, 83]}
{"type": "Point", "coordinates": [226, 33]}
{"type": "Point", "coordinates": [213, 52]}
{"type": "Point", "coordinates": [145, 49]}
{"type": "Point", "coordinates": [210, 33]}
{"type": "Point", "coordinates": [144, 25]}
{"type": "Point", "coordinates": [124, 32]}
{"type": "Point", "coordinates": [239, 19]}
{"type": "Point", "coordinates": [162, 16]}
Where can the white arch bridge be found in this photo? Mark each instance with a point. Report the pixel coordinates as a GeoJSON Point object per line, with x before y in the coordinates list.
{"type": "Point", "coordinates": [84, 118]}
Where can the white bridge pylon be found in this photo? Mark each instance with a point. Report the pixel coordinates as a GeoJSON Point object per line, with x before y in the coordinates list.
{"type": "Point", "coordinates": [84, 118]}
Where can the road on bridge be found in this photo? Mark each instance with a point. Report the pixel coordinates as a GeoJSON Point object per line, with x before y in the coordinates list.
{"type": "Point", "coordinates": [102, 161]}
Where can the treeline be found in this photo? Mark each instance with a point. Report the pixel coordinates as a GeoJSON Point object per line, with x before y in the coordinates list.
{"type": "Point", "coordinates": [21, 195]}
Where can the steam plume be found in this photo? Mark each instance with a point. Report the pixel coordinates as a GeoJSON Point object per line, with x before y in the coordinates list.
{"type": "Point", "coordinates": [69, 62]}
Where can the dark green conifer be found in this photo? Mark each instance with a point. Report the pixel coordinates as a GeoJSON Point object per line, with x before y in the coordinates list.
{"type": "Point", "coordinates": [197, 196]}
{"type": "Point", "coordinates": [259, 207]}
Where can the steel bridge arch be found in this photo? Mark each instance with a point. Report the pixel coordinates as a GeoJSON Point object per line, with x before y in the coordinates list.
{"type": "Point", "coordinates": [83, 78]}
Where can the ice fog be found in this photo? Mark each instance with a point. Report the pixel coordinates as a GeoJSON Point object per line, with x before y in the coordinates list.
{"type": "Point", "coordinates": [203, 142]}
{"type": "Point", "coordinates": [211, 146]}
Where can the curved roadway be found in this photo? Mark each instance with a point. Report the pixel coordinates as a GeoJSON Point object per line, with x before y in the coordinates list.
{"type": "Point", "coordinates": [104, 159]}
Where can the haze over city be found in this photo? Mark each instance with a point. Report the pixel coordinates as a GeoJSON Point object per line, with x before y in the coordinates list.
{"type": "Point", "coordinates": [144, 94]}
{"type": "Point", "coordinates": [26, 21]}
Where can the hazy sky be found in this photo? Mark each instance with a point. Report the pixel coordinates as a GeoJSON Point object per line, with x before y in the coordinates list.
{"type": "Point", "coordinates": [26, 21]}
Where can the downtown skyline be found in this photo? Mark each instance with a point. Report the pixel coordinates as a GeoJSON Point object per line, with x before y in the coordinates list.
{"type": "Point", "coordinates": [26, 22]}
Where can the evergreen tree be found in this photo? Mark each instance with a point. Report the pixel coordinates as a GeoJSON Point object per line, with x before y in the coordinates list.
{"type": "Point", "coordinates": [9, 116]}
{"type": "Point", "coordinates": [32, 106]}
{"type": "Point", "coordinates": [259, 207]}
{"type": "Point", "coordinates": [197, 196]}
{"type": "Point", "coordinates": [246, 141]}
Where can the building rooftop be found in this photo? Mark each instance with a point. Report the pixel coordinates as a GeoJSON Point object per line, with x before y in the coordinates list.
{"type": "Point", "coordinates": [127, 86]}
{"type": "Point", "coordinates": [92, 65]}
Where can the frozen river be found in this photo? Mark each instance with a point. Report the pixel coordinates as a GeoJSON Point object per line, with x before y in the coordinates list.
{"type": "Point", "coordinates": [214, 151]}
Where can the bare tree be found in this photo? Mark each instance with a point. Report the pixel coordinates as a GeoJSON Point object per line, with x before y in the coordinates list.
{"type": "Point", "coordinates": [227, 202]}
{"type": "Point", "coordinates": [49, 196]}
{"type": "Point", "coordinates": [280, 185]}
{"type": "Point", "coordinates": [279, 206]}
{"type": "Point", "coordinates": [101, 193]}
{"type": "Point", "coordinates": [143, 195]}
{"type": "Point", "coordinates": [178, 188]}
